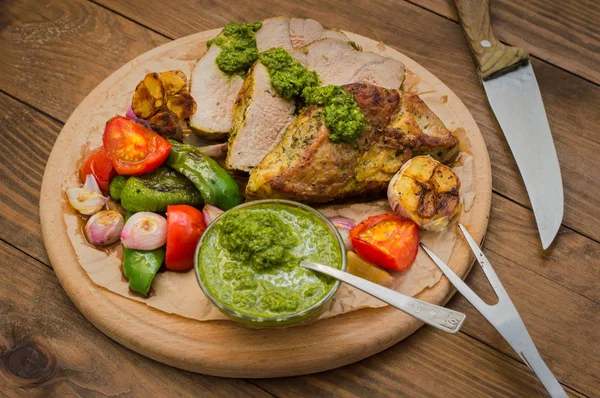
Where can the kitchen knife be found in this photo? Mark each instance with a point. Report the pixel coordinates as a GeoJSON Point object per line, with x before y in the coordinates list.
{"type": "Point", "coordinates": [515, 98]}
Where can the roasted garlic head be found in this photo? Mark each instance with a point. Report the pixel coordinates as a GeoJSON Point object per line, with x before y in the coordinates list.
{"type": "Point", "coordinates": [425, 191]}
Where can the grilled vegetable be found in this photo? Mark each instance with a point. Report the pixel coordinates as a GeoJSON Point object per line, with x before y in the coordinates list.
{"type": "Point", "coordinates": [104, 227]}
{"type": "Point", "coordinates": [156, 190]}
{"type": "Point", "coordinates": [140, 267]}
{"type": "Point", "coordinates": [211, 213]}
{"type": "Point", "coordinates": [387, 240]}
{"type": "Point", "coordinates": [144, 231]}
{"type": "Point", "coordinates": [216, 186]}
{"type": "Point", "coordinates": [185, 226]}
{"type": "Point", "coordinates": [344, 226]}
{"type": "Point", "coordinates": [366, 270]}
{"type": "Point", "coordinates": [425, 191]}
{"type": "Point", "coordinates": [163, 100]}
{"type": "Point", "coordinates": [132, 148]}
{"type": "Point", "coordinates": [88, 199]}
{"type": "Point", "coordinates": [100, 166]}
{"type": "Point", "coordinates": [116, 186]}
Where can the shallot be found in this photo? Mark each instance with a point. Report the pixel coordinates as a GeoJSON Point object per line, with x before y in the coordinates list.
{"type": "Point", "coordinates": [88, 199]}
{"type": "Point", "coordinates": [344, 226]}
{"type": "Point", "coordinates": [210, 213]}
{"type": "Point", "coordinates": [144, 231]}
{"type": "Point", "coordinates": [104, 227]}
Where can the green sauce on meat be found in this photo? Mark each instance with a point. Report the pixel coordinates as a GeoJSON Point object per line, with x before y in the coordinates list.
{"type": "Point", "coordinates": [249, 260]}
{"type": "Point", "coordinates": [288, 76]}
{"type": "Point", "coordinates": [238, 47]}
{"type": "Point", "coordinates": [342, 114]}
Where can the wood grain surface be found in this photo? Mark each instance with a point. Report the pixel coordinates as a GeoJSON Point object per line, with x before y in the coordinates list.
{"type": "Point", "coordinates": [54, 53]}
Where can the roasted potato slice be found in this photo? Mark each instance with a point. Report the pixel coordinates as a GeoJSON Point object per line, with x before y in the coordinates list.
{"type": "Point", "coordinates": [142, 103]}
{"type": "Point", "coordinates": [425, 191]}
{"type": "Point", "coordinates": [172, 82]}
{"type": "Point", "coordinates": [183, 104]}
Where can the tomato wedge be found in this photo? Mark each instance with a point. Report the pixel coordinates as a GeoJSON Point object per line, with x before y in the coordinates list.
{"type": "Point", "coordinates": [100, 166]}
{"type": "Point", "coordinates": [387, 240]}
{"type": "Point", "coordinates": [185, 226]}
{"type": "Point", "coordinates": [133, 149]}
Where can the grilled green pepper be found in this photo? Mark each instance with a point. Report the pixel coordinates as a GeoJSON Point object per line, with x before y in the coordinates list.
{"type": "Point", "coordinates": [156, 190]}
{"type": "Point", "coordinates": [116, 186]}
{"type": "Point", "coordinates": [141, 266]}
{"type": "Point", "coordinates": [215, 184]}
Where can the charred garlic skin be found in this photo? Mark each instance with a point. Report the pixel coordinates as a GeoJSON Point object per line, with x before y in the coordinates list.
{"type": "Point", "coordinates": [427, 192]}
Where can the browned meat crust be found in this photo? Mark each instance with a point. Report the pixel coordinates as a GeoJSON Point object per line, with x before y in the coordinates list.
{"type": "Point", "coordinates": [308, 167]}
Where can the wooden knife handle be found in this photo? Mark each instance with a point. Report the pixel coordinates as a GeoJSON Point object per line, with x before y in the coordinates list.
{"type": "Point", "coordinates": [492, 57]}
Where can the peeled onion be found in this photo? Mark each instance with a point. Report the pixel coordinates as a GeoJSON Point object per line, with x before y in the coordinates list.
{"type": "Point", "coordinates": [104, 227]}
{"type": "Point", "coordinates": [344, 226]}
{"type": "Point", "coordinates": [210, 213]}
{"type": "Point", "coordinates": [144, 231]}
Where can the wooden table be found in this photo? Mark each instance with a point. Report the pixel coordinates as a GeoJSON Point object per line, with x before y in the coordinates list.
{"type": "Point", "coordinates": [54, 52]}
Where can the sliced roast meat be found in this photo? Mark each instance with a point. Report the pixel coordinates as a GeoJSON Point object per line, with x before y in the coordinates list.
{"type": "Point", "coordinates": [215, 93]}
{"type": "Point", "coordinates": [337, 62]}
{"type": "Point", "coordinates": [260, 116]}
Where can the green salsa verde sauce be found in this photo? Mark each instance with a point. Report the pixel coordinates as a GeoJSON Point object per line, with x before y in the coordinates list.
{"type": "Point", "coordinates": [249, 261]}
{"type": "Point", "coordinates": [342, 114]}
{"type": "Point", "coordinates": [238, 47]}
{"type": "Point", "coordinates": [288, 76]}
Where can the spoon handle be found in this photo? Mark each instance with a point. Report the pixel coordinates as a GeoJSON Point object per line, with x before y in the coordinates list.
{"type": "Point", "coordinates": [442, 318]}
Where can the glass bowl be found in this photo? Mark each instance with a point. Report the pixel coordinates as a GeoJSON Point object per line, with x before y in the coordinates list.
{"type": "Point", "coordinates": [287, 320]}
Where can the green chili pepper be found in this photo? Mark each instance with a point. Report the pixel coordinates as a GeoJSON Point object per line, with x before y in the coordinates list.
{"type": "Point", "coordinates": [116, 186]}
{"type": "Point", "coordinates": [215, 184]}
{"type": "Point", "coordinates": [156, 190]}
{"type": "Point", "coordinates": [141, 266]}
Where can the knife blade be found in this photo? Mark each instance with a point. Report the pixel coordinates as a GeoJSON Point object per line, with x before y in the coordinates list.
{"type": "Point", "coordinates": [515, 98]}
{"type": "Point", "coordinates": [517, 103]}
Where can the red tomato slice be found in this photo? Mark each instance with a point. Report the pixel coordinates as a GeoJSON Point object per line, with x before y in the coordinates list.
{"type": "Point", "coordinates": [100, 166]}
{"type": "Point", "coordinates": [133, 149]}
{"type": "Point", "coordinates": [387, 240]}
{"type": "Point", "coordinates": [185, 226]}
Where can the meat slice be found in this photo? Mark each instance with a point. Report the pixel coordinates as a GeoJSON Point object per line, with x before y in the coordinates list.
{"type": "Point", "coordinates": [338, 62]}
{"type": "Point", "coordinates": [215, 93]}
{"type": "Point", "coordinates": [304, 31]}
{"type": "Point", "coordinates": [260, 116]}
{"type": "Point", "coordinates": [274, 32]}
{"type": "Point", "coordinates": [308, 167]}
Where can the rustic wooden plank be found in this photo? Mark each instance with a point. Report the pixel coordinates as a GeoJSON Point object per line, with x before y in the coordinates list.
{"type": "Point", "coordinates": [415, 368]}
{"type": "Point", "coordinates": [438, 45]}
{"type": "Point", "coordinates": [57, 352]}
{"type": "Point", "coordinates": [571, 262]}
{"type": "Point", "coordinates": [558, 320]}
{"type": "Point", "coordinates": [26, 138]}
{"type": "Point", "coordinates": [564, 33]}
{"type": "Point", "coordinates": [54, 53]}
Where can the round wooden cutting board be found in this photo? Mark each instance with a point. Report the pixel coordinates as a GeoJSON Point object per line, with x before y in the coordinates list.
{"type": "Point", "coordinates": [224, 348]}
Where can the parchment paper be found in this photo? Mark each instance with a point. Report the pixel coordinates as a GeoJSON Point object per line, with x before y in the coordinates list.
{"type": "Point", "coordinates": [179, 293]}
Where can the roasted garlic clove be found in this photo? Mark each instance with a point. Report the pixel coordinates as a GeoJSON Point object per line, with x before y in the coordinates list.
{"type": "Point", "coordinates": [425, 191]}
{"type": "Point", "coordinates": [183, 104]}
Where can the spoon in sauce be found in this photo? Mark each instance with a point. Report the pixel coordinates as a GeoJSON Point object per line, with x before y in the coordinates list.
{"type": "Point", "coordinates": [439, 317]}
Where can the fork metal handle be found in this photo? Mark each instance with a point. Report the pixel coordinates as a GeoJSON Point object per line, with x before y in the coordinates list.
{"type": "Point", "coordinates": [439, 317]}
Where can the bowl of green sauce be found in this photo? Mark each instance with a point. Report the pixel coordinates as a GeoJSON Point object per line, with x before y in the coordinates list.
{"type": "Point", "coordinates": [247, 262]}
